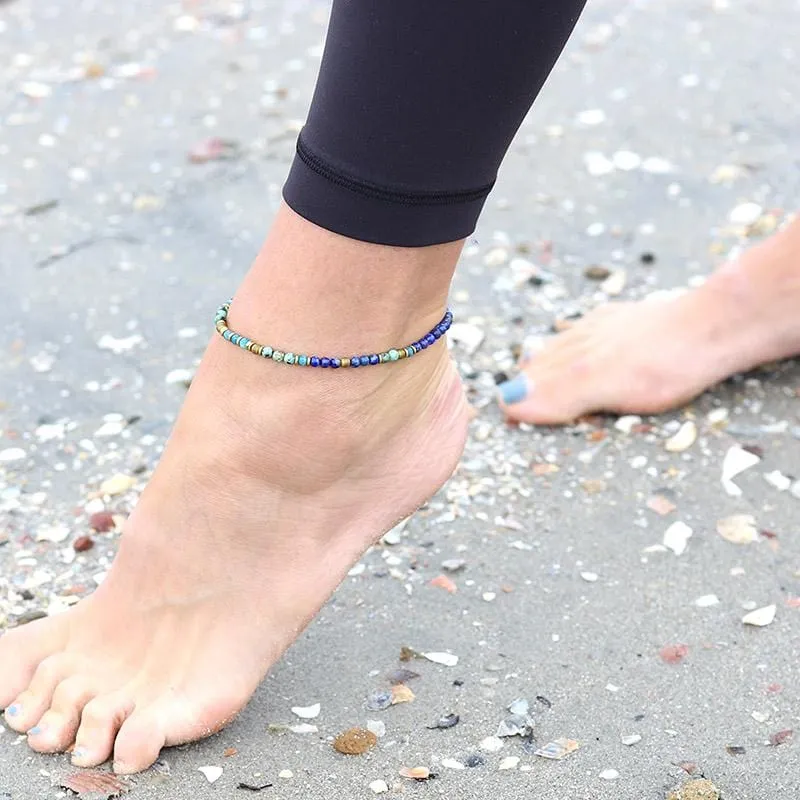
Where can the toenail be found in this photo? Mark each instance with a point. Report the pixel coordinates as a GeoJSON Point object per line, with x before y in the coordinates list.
{"type": "Point", "coordinates": [515, 390]}
{"type": "Point", "coordinates": [35, 730]}
{"type": "Point", "coordinates": [12, 711]}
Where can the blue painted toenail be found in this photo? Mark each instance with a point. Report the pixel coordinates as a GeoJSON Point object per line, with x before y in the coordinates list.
{"type": "Point", "coordinates": [35, 731]}
{"type": "Point", "coordinates": [515, 390]}
{"type": "Point", "coordinates": [79, 752]}
{"type": "Point", "coordinates": [12, 711]}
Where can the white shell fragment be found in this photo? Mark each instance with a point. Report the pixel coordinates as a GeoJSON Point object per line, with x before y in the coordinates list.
{"type": "Point", "coordinates": [119, 346]}
{"type": "Point", "coordinates": [738, 529]}
{"type": "Point", "coordinates": [52, 533]}
{"type": "Point", "coordinates": [491, 744]}
{"type": "Point", "coordinates": [212, 773]}
{"type": "Point", "coordinates": [683, 439]}
{"type": "Point", "coordinates": [589, 577]}
{"type": "Point", "coordinates": [627, 423]}
{"type": "Point", "coordinates": [677, 536]}
{"type": "Point", "coordinates": [631, 740]}
{"type": "Point", "coordinates": [609, 774]}
{"type": "Point", "coordinates": [761, 617]}
{"type": "Point", "coordinates": [307, 712]}
{"type": "Point", "coordinates": [626, 160]}
{"type": "Point", "coordinates": [467, 335]}
{"type": "Point", "coordinates": [446, 659]}
{"type": "Point", "coordinates": [745, 213]}
{"type": "Point", "coordinates": [736, 461]}
{"type": "Point", "coordinates": [303, 728]}
{"type": "Point", "coordinates": [614, 283]}
{"type": "Point", "coordinates": [706, 601]}
{"type": "Point", "coordinates": [592, 116]}
{"type": "Point", "coordinates": [597, 164]}
{"type": "Point", "coordinates": [11, 454]}
{"type": "Point", "coordinates": [777, 479]}
{"type": "Point", "coordinates": [379, 787]}
{"type": "Point", "coordinates": [510, 762]}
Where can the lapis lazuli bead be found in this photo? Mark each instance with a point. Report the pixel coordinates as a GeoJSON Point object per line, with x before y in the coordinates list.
{"type": "Point", "coordinates": [336, 363]}
{"type": "Point", "coordinates": [363, 361]}
{"type": "Point", "coordinates": [355, 361]}
{"type": "Point", "coordinates": [314, 361]}
{"type": "Point", "coordinates": [374, 359]}
{"type": "Point", "coordinates": [325, 362]}
{"type": "Point", "coordinates": [430, 338]}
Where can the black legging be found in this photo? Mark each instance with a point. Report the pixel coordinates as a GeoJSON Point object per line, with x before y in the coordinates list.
{"type": "Point", "coordinates": [416, 103]}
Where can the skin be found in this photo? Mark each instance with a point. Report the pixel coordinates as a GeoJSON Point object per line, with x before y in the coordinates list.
{"type": "Point", "coordinates": [652, 356]}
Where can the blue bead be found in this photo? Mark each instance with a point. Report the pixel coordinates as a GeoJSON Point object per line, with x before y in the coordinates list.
{"type": "Point", "coordinates": [227, 335]}
{"type": "Point", "coordinates": [243, 342]}
{"type": "Point", "coordinates": [336, 363]}
{"type": "Point", "coordinates": [314, 361]}
{"type": "Point", "coordinates": [364, 361]}
{"type": "Point", "coordinates": [325, 362]}
{"type": "Point", "coordinates": [302, 360]}
{"type": "Point", "coordinates": [430, 338]}
{"type": "Point", "coordinates": [423, 344]}
{"type": "Point", "coordinates": [236, 338]}
{"type": "Point", "coordinates": [374, 359]}
{"type": "Point", "coordinates": [355, 361]}
{"type": "Point", "coordinates": [437, 334]}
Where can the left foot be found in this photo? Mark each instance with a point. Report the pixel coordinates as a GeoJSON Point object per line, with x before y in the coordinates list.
{"type": "Point", "coordinates": [275, 480]}
{"type": "Point", "coordinates": [652, 356]}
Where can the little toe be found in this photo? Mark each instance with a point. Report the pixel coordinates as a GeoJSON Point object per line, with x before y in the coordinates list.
{"type": "Point", "coordinates": [139, 742]}
{"type": "Point", "coordinates": [100, 721]}
{"type": "Point", "coordinates": [28, 707]}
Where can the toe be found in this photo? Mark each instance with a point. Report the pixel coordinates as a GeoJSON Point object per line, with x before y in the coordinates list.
{"type": "Point", "coordinates": [553, 388]}
{"type": "Point", "coordinates": [100, 721]}
{"type": "Point", "coordinates": [139, 742]}
{"type": "Point", "coordinates": [21, 651]}
{"type": "Point", "coordinates": [56, 730]}
{"type": "Point", "coordinates": [28, 707]}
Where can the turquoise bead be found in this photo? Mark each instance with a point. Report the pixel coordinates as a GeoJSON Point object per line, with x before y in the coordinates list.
{"type": "Point", "coordinates": [244, 343]}
{"type": "Point", "coordinates": [266, 352]}
{"type": "Point", "coordinates": [289, 358]}
{"type": "Point", "coordinates": [277, 355]}
{"type": "Point", "coordinates": [302, 360]}
{"type": "Point", "coordinates": [393, 355]}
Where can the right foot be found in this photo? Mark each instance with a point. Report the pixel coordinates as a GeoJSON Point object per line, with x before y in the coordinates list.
{"type": "Point", "coordinates": [652, 356]}
{"type": "Point", "coordinates": [275, 480]}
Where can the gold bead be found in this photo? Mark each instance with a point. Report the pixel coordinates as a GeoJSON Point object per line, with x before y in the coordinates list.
{"type": "Point", "coordinates": [345, 362]}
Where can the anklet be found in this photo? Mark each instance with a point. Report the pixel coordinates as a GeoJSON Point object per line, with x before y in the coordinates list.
{"type": "Point", "coordinates": [395, 354]}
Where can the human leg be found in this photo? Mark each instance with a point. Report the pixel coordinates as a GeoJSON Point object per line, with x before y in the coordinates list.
{"type": "Point", "coordinates": [276, 478]}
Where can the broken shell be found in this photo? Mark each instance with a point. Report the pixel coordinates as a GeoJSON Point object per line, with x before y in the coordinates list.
{"type": "Point", "coordinates": [738, 529]}
{"type": "Point", "coordinates": [683, 439]}
{"type": "Point", "coordinates": [761, 617]}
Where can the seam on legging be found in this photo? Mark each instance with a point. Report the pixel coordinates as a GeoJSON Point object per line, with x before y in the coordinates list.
{"type": "Point", "coordinates": [376, 192]}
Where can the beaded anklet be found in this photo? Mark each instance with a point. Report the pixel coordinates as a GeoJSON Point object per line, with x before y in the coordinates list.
{"type": "Point", "coordinates": [395, 354]}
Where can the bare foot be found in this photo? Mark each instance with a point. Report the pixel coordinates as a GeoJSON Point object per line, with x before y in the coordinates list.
{"type": "Point", "coordinates": [274, 482]}
{"type": "Point", "coordinates": [651, 356]}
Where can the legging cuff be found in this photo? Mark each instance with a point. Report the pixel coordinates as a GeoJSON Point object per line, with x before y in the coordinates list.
{"type": "Point", "coordinates": [359, 209]}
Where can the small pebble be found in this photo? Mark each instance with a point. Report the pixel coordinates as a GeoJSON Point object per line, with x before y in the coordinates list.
{"type": "Point", "coordinates": [379, 787]}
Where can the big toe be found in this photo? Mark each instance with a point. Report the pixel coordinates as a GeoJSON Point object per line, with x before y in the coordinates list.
{"type": "Point", "coordinates": [139, 741]}
{"type": "Point", "coordinates": [554, 388]}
